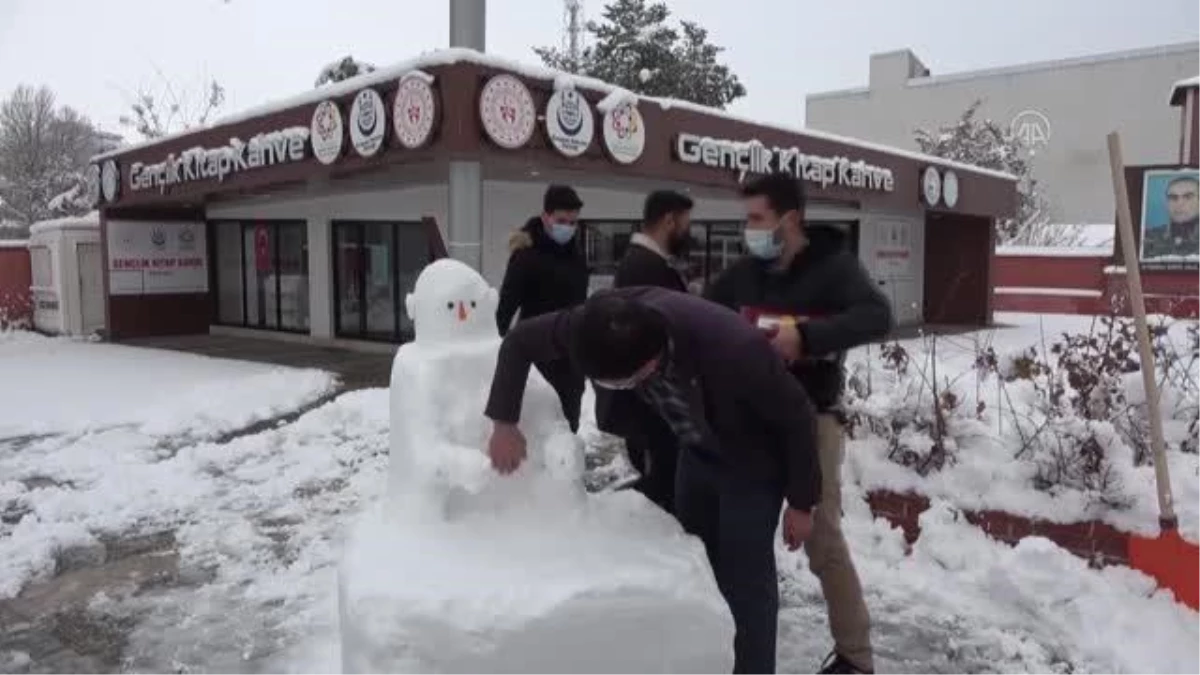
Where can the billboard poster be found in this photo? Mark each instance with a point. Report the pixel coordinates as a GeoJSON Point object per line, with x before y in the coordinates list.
{"type": "Point", "coordinates": [1170, 215]}
{"type": "Point", "coordinates": [148, 258]}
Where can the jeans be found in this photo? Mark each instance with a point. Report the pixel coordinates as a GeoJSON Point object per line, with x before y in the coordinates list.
{"type": "Point", "coordinates": [736, 518]}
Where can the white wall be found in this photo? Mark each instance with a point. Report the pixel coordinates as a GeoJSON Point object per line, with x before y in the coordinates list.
{"type": "Point", "coordinates": [1083, 100]}
{"type": "Point", "coordinates": [66, 279]}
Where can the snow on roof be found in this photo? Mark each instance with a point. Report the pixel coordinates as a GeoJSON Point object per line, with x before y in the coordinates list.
{"type": "Point", "coordinates": [455, 55]}
{"type": "Point", "coordinates": [14, 243]}
{"type": "Point", "coordinates": [85, 222]}
{"type": "Point", "coordinates": [1179, 88]}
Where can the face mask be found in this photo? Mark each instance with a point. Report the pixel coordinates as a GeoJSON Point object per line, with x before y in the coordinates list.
{"type": "Point", "coordinates": [763, 244]}
{"type": "Point", "coordinates": [562, 233]}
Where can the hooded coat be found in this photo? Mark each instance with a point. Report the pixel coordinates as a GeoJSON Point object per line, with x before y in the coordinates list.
{"type": "Point", "coordinates": [542, 275]}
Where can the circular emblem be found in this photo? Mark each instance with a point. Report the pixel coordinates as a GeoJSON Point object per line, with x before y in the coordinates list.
{"type": "Point", "coordinates": [931, 185]}
{"type": "Point", "coordinates": [950, 188]}
{"type": "Point", "coordinates": [367, 122]}
{"type": "Point", "coordinates": [569, 122]}
{"type": "Point", "coordinates": [506, 110]}
{"type": "Point", "coordinates": [92, 184]}
{"type": "Point", "coordinates": [326, 132]}
{"type": "Point", "coordinates": [413, 111]}
{"type": "Point", "coordinates": [625, 132]}
{"type": "Point", "coordinates": [187, 238]}
{"type": "Point", "coordinates": [1031, 127]}
{"type": "Point", "coordinates": [110, 180]}
{"type": "Point", "coordinates": [158, 238]}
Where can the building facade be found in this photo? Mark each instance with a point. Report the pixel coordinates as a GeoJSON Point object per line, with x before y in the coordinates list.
{"type": "Point", "coordinates": [311, 218]}
{"type": "Point", "coordinates": [1062, 109]}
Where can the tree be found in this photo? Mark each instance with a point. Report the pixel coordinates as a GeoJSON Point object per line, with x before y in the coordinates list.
{"type": "Point", "coordinates": [342, 69]}
{"type": "Point", "coordinates": [988, 145]}
{"type": "Point", "coordinates": [168, 109]}
{"type": "Point", "coordinates": [636, 47]}
{"type": "Point", "coordinates": [44, 151]}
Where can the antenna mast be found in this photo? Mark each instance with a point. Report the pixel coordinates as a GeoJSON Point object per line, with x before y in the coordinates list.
{"type": "Point", "coordinates": [573, 34]}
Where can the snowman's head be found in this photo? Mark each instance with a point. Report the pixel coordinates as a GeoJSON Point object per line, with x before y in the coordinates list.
{"type": "Point", "coordinates": [451, 303]}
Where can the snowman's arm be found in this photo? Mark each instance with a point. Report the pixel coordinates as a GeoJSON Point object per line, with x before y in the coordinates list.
{"type": "Point", "coordinates": [540, 339]}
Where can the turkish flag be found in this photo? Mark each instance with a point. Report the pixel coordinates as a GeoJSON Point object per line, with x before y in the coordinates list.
{"type": "Point", "coordinates": [262, 248]}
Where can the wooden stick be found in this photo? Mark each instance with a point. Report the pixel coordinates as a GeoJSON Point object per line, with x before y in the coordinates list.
{"type": "Point", "coordinates": [1131, 256]}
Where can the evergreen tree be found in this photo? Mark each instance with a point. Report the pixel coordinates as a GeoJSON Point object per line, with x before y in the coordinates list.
{"type": "Point", "coordinates": [635, 46]}
{"type": "Point", "coordinates": [986, 144]}
{"type": "Point", "coordinates": [343, 69]}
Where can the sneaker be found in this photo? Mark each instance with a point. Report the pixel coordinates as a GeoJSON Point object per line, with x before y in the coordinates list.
{"type": "Point", "coordinates": [835, 663]}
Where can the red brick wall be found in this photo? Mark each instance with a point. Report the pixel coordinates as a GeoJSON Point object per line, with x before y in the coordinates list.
{"type": "Point", "coordinates": [1051, 272]}
{"type": "Point", "coordinates": [15, 277]}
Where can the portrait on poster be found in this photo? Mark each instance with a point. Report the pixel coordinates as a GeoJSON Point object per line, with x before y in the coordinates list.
{"type": "Point", "coordinates": [1170, 212]}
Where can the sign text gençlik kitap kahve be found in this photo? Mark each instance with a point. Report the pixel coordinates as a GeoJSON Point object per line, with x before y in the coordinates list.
{"type": "Point", "coordinates": [262, 150]}
{"type": "Point", "coordinates": [753, 157]}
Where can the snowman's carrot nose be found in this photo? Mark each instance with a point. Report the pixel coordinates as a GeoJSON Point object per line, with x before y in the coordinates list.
{"type": "Point", "coordinates": [462, 312]}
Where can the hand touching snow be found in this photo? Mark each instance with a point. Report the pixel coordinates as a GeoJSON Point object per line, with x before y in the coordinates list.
{"type": "Point", "coordinates": [506, 447]}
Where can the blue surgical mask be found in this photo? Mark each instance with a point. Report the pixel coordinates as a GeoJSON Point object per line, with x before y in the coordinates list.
{"type": "Point", "coordinates": [763, 244]}
{"type": "Point", "coordinates": [562, 232]}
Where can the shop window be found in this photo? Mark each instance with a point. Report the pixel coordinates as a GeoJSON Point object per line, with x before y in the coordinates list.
{"type": "Point", "coordinates": [261, 274]}
{"type": "Point", "coordinates": [376, 264]}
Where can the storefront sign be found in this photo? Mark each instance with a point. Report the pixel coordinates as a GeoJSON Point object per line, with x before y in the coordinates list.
{"type": "Point", "coordinates": [327, 132]}
{"type": "Point", "coordinates": [569, 122]}
{"type": "Point", "coordinates": [752, 157]}
{"type": "Point", "coordinates": [507, 112]}
{"type": "Point", "coordinates": [368, 122]}
{"type": "Point", "coordinates": [413, 111]}
{"type": "Point", "coordinates": [625, 132]}
{"type": "Point", "coordinates": [92, 183]}
{"type": "Point", "coordinates": [110, 180]}
{"type": "Point", "coordinates": [195, 164]}
{"type": "Point", "coordinates": [147, 258]}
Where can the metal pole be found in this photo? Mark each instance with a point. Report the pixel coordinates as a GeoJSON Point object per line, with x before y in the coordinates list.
{"type": "Point", "coordinates": [468, 22]}
{"type": "Point", "coordinates": [1130, 254]}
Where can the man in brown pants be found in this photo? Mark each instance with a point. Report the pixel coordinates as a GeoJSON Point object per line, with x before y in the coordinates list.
{"type": "Point", "coordinates": [806, 289]}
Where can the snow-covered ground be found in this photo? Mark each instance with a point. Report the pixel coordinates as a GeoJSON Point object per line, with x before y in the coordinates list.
{"type": "Point", "coordinates": [258, 520]}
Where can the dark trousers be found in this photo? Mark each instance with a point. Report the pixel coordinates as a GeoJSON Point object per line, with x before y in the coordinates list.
{"type": "Point", "coordinates": [736, 518]}
{"type": "Point", "coordinates": [569, 386]}
{"type": "Point", "coordinates": [656, 457]}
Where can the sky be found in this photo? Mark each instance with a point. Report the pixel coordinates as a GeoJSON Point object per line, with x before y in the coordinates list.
{"type": "Point", "coordinates": [94, 54]}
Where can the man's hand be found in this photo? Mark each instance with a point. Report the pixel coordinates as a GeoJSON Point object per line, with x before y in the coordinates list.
{"type": "Point", "coordinates": [787, 341]}
{"type": "Point", "coordinates": [797, 526]}
{"type": "Point", "coordinates": [506, 447]}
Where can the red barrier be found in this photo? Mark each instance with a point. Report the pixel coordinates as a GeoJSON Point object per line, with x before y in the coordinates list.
{"type": "Point", "coordinates": [15, 277]}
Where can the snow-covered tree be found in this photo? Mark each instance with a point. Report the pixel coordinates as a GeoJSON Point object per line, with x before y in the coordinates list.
{"type": "Point", "coordinates": [44, 150]}
{"type": "Point", "coordinates": [168, 109]}
{"type": "Point", "coordinates": [636, 46]}
{"type": "Point", "coordinates": [989, 145]}
{"type": "Point", "coordinates": [342, 69]}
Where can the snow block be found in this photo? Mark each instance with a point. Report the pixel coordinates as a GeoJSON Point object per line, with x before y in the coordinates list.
{"type": "Point", "coordinates": [614, 587]}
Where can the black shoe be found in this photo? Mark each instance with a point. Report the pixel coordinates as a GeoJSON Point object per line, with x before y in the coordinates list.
{"type": "Point", "coordinates": [835, 663]}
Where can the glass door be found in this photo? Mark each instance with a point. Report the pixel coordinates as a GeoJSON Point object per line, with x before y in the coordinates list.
{"type": "Point", "coordinates": [375, 267]}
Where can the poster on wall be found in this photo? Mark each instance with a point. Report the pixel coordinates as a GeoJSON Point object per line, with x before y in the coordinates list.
{"type": "Point", "coordinates": [1170, 215]}
{"type": "Point", "coordinates": [147, 258]}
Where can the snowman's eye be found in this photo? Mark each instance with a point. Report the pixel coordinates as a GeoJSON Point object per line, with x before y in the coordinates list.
{"type": "Point", "coordinates": [472, 304]}
{"type": "Point", "coordinates": [449, 305]}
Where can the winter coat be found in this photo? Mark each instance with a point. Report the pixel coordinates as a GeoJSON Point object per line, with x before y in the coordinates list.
{"type": "Point", "coordinates": [828, 290]}
{"type": "Point", "coordinates": [642, 267]}
{"type": "Point", "coordinates": [754, 418]}
{"type": "Point", "coordinates": [542, 275]}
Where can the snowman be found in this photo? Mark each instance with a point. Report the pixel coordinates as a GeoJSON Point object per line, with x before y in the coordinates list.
{"type": "Point", "coordinates": [439, 387]}
{"type": "Point", "coordinates": [460, 569]}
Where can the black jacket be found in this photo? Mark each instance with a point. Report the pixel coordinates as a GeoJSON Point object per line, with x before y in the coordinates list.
{"type": "Point", "coordinates": [827, 286]}
{"type": "Point", "coordinates": [750, 410]}
{"type": "Point", "coordinates": [642, 267]}
{"type": "Point", "coordinates": [542, 276]}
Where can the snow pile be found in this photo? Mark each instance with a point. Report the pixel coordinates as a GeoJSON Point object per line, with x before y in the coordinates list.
{"type": "Point", "coordinates": [1009, 441]}
{"type": "Point", "coordinates": [461, 569]}
{"type": "Point", "coordinates": [14, 243]}
{"type": "Point", "coordinates": [61, 385]}
{"type": "Point", "coordinates": [88, 221]}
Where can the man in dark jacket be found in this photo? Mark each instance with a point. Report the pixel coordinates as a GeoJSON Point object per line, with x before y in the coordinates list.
{"type": "Point", "coordinates": [817, 301]}
{"type": "Point", "coordinates": [744, 426]}
{"type": "Point", "coordinates": [664, 236]}
{"type": "Point", "coordinates": [546, 272]}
